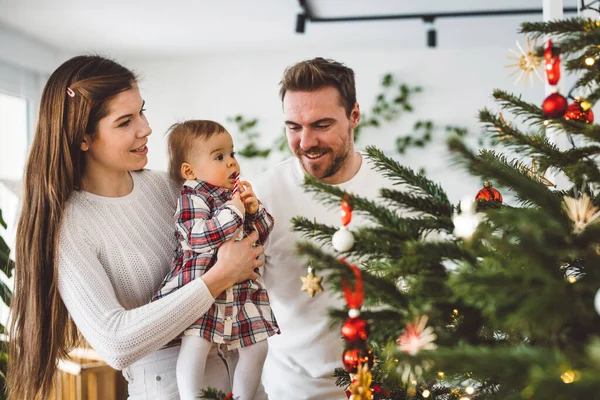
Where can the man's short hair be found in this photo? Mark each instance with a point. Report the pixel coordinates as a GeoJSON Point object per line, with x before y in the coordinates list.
{"type": "Point", "coordinates": [311, 75]}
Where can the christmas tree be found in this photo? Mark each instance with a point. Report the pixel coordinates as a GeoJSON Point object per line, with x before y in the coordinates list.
{"type": "Point", "coordinates": [483, 300]}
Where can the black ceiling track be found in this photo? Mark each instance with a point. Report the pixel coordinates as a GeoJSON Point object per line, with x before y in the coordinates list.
{"type": "Point", "coordinates": [307, 15]}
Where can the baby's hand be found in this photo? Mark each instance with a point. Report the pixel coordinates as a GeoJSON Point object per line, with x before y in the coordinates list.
{"type": "Point", "coordinates": [237, 202]}
{"type": "Point", "coordinates": [248, 197]}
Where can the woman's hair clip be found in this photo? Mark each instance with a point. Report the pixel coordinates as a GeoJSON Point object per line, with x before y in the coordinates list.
{"type": "Point", "coordinates": [70, 92]}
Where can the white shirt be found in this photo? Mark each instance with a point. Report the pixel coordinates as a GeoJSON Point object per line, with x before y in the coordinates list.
{"type": "Point", "coordinates": [301, 361]}
{"type": "Point", "coordinates": [113, 253]}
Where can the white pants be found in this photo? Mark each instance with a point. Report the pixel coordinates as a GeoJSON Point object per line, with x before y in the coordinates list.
{"type": "Point", "coordinates": [153, 377]}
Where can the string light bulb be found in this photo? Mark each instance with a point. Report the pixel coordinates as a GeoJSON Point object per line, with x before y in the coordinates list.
{"type": "Point", "coordinates": [568, 377]}
{"type": "Point", "coordinates": [585, 105]}
{"type": "Point", "coordinates": [441, 374]}
{"type": "Point", "coordinates": [572, 279]}
{"type": "Point", "coordinates": [470, 390]}
{"type": "Point", "coordinates": [589, 61]}
{"type": "Point", "coordinates": [426, 393]}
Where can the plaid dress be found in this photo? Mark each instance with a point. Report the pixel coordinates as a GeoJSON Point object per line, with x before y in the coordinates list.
{"type": "Point", "coordinates": [241, 315]}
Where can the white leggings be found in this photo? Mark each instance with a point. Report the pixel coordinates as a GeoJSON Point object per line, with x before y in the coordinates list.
{"type": "Point", "coordinates": [192, 362]}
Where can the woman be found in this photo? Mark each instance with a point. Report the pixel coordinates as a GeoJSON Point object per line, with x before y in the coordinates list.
{"type": "Point", "coordinates": [95, 239]}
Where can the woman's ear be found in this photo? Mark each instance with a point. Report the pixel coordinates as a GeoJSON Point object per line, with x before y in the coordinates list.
{"type": "Point", "coordinates": [187, 171]}
{"type": "Point", "coordinates": [85, 144]}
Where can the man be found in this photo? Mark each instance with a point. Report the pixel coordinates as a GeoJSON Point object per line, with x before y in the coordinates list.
{"type": "Point", "coordinates": [321, 112]}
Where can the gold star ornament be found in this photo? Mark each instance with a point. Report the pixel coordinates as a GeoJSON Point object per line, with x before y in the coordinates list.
{"type": "Point", "coordinates": [527, 62]}
{"type": "Point", "coordinates": [311, 283]}
{"type": "Point", "coordinates": [361, 384]}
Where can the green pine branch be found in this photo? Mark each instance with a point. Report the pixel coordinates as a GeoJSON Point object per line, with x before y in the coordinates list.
{"type": "Point", "coordinates": [513, 138]}
{"type": "Point", "coordinates": [332, 195]}
{"type": "Point", "coordinates": [311, 229]}
{"type": "Point", "coordinates": [588, 80]}
{"type": "Point", "coordinates": [578, 64]}
{"type": "Point", "coordinates": [573, 162]}
{"type": "Point", "coordinates": [404, 175]}
{"type": "Point", "coordinates": [534, 115]}
{"type": "Point", "coordinates": [419, 204]}
{"type": "Point", "coordinates": [379, 290]}
{"type": "Point", "coordinates": [559, 27]}
{"type": "Point", "coordinates": [490, 164]}
{"type": "Point", "coordinates": [215, 394]}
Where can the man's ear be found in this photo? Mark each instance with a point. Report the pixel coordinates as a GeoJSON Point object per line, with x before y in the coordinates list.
{"type": "Point", "coordinates": [187, 171]}
{"type": "Point", "coordinates": [85, 144]}
{"type": "Point", "coordinates": [355, 115]}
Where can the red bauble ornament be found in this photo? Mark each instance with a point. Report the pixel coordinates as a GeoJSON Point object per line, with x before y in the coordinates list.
{"type": "Point", "coordinates": [488, 193]}
{"type": "Point", "coordinates": [346, 212]}
{"type": "Point", "coordinates": [552, 62]}
{"type": "Point", "coordinates": [378, 390]}
{"type": "Point", "coordinates": [577, 113]}
{"type": "Point", "coordinates": [353, 357]}
{"type": "Point", "coordinates": [555, 105]}
{"type": "Point", "coordinates": [355, 329]}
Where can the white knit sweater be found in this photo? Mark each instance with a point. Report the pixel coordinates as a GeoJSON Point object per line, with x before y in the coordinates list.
{"type": "Point", "coordinates": [113, 254]}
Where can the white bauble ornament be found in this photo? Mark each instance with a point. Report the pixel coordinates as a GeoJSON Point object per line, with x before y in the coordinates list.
{"type": "Point", "coordinates": [342, 240]}
{"type": "Point", "coordinates": [597, 301]}
{"type": "Point", "coordinates": [467, 221]}
{"type": "Point", "coordinates": [465, 225]}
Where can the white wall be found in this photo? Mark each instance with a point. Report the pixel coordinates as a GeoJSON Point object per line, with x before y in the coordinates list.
{"type": "Point", "coordinates": [20, 50]}
{"type": "Point", "coordinates": [457, 77]}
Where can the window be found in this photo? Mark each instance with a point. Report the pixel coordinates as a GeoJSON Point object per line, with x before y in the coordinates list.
{"type": "Point", "coordinates": [20, 92]}
{"type": "Point", "coordinates": [13, 137]}
{"type": "Point", "coordinates": [13, 153]}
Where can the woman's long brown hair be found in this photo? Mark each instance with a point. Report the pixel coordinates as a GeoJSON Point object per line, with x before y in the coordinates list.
{"type": "Point", "coordinates": [74, 99]}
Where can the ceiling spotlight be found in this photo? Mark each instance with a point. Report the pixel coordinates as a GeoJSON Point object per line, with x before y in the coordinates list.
{"type": "Point", "coordinates": [431, 32]}
{"type": "Point", "coordinates": [300, 23]}
{"type": "Point", "coordinates": [431, 38]}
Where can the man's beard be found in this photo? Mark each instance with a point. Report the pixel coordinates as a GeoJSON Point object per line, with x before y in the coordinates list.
{"type": "Point", "coordinates": [332, 167]}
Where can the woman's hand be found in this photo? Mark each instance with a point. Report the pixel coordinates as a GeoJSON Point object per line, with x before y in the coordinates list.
{"type": "Point", "coordinates": [236, 262]}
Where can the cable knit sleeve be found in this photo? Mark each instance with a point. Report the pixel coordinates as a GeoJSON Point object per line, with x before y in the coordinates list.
{"type": "Point", "coordinates": [121, 336]}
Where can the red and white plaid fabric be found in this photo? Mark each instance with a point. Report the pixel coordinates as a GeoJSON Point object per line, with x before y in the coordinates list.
{"type": "Point", "coordinates": [242, 314]}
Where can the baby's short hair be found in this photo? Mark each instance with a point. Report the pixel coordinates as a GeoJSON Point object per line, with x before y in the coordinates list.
{"type": "Point", "coordinates": [181, 137]}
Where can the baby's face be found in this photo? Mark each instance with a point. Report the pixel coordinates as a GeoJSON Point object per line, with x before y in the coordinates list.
{"type": "Point", "coordinates": [213, 160]}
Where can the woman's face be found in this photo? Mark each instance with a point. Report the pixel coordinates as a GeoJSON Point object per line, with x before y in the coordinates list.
{"type": "Point", "coordinates": [119, 144]}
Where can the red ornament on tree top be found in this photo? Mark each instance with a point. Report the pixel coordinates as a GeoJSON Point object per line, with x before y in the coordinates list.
{"type": "Point", "coordinates": [488, 193]}
{"type": "Point", "coordinates": [552, 61]}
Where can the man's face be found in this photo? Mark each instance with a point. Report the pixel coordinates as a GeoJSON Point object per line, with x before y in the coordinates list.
{"type": "Point", "coordinates": [318, 131]}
